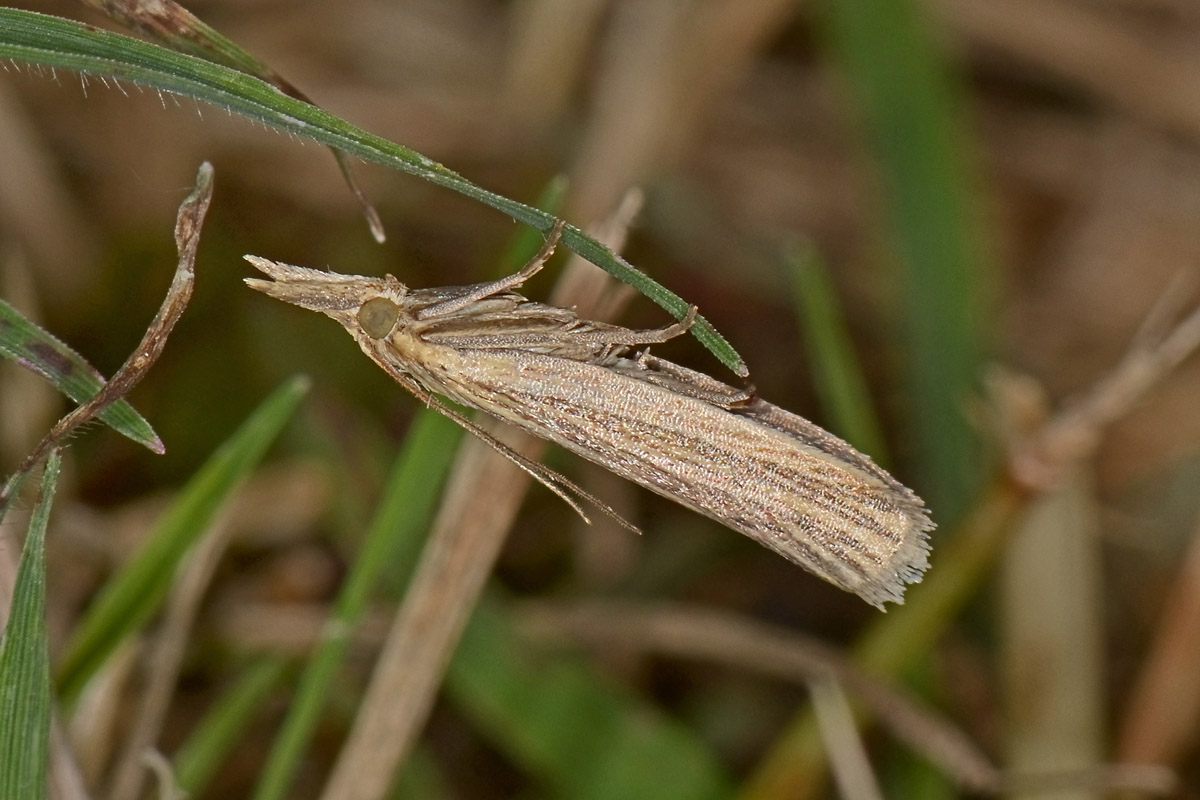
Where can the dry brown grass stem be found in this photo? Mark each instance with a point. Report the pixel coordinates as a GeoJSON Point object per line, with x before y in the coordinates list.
{"type": "Point", "coordinates": [478, 507]}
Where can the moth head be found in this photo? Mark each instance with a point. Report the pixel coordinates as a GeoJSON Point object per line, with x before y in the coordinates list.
{"type": "Point", "coordinates": [356, 301]}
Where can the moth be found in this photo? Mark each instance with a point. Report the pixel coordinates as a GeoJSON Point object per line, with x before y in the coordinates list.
{"type": "Point", "coordinates": [594, 389]}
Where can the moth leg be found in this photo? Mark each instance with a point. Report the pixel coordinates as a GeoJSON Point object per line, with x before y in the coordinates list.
{"type": "Point", "coordinates": [744, 399]}
{"type": "Point", "coordinates": [688, 382]}
{"type": "Point", "coordinates": [729, 398]}
{"type": "Point", "coordinates": [485, 290]}
{"type": "Point", "coordinates": [562, 486]}
{"type": "Point", "coordinates": [619, 338]}
{"type": "Point", "coordinates": [668, 332]}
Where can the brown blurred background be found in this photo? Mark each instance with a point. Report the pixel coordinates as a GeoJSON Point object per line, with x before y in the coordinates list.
{"type": "Point", "coordinates": [1084, 124]}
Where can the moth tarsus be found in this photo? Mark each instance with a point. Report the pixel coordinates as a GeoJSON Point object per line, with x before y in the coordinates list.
{"type": "Point", "coordinates": [593, 388]}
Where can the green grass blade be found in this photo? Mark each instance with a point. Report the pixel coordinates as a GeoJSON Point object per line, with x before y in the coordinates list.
{"type": "Point", "coordinates": [558, 719]}
{"type": "Point", "coordinates": [25, 699]}
{"type": "Point", "coordinates": [226, 724]}
{"type": "Point", "coordinates": [838, 378]}
{"type": "Point", "coordinates": [37, 350]}
{"type": "Point", "coordinates": [64, 44]}
{"type": "Point", "coordinates": [909, 104]}
{"type": "Point", "coordinates": [136, 592]}
{"type": "Point", "coordinates": [394, 538]}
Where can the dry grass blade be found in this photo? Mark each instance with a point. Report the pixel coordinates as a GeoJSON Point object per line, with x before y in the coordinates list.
{"type": "Point", "coordinates": [481, 500]}
{"type": "Point", "coordinates": [851, 768]}
{"type": "Point", "coordinates": [1163, 713]}
{"type": "Point", "coordinates": [1143, 779]}
{"type": "Point", "coordinates": [156, 694]}
{"type": "Point", "coordinates": [1052, 632]}
{"type": "Point", "coordinates": [664, 65]}
{"type": "Point", "coordinates": [187, 239]}
{"type": "Point", "coordinates": [1093, 49]}
{"type": "Point", "coordinates": [479, 504]}
{"type": "Point", "coordinates": [157, 763]}
{"type": "Point", "coordinates": [724, 638]}
{"type": "Point", "coordinates": [66, 777]}
{"type": "Point", "coordinates": [92, 728]}
{"type": "Point", "coordinates": [1074, 432]}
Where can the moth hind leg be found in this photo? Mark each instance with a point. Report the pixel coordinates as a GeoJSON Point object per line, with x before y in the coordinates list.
{"type": "Point", "coordinates": [565, 488]}
{"type": "Point", "coordinates": [691, 383]}
{"type": "Point", "coordinates": [676, 328]}
{"type": "Point", "coordinates": [618, 338]}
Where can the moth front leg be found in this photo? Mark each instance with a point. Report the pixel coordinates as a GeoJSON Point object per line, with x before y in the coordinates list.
{"type": "Point", "coordinates": [484, 290]}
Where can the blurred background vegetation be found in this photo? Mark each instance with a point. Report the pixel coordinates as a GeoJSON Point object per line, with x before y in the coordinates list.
{"type": "Point", "coordinates": [968, 182]}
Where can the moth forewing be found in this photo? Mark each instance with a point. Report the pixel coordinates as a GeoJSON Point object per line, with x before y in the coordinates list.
{"type": "Point", "coordinates": [592, 388]}
{"type": "Point", "coordinates": [841, 519]}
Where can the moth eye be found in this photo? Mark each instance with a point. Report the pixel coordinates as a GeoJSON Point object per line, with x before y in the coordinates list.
{"type": "Point", "coordinates": [378, 316]}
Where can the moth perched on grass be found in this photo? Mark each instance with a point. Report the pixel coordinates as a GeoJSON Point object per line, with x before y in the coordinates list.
{"type": "Point", "coordinates": [595, 389]}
